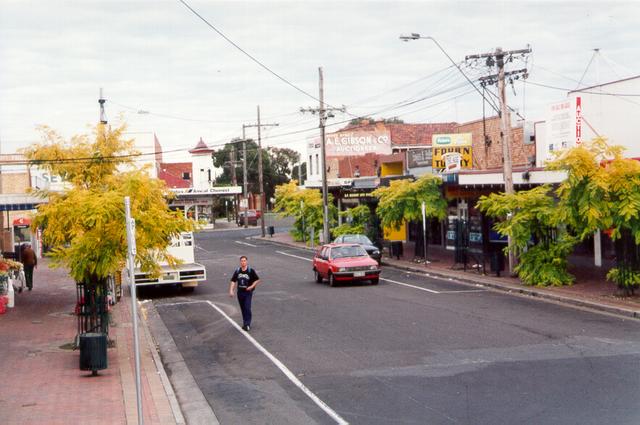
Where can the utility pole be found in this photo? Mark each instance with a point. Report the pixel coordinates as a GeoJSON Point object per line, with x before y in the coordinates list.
{"type": "Point", "coordinates": [323, 114]}
{"type": "Point", "coordinates": [244, 176]}
{"type": "Point", "coordinates": [498, 58]}
{"type": "Point", "coordinates": [260, 174]}
{"type": "Point", "coordinates": [234, 181]}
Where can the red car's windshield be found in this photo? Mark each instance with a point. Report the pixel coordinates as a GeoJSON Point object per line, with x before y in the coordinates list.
{"type": "Point", "coordinates": [348, 251]}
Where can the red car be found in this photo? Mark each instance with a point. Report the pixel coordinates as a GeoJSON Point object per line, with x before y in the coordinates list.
{"type": "Point", "coordinates": [343, 262]}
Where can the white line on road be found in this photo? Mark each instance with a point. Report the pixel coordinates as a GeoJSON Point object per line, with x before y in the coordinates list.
{"type": "Point", "coordinates": [294, 256]}
{"type": "Point", "coordinates": [410, 286]}
{"type": "Point", "coordinates": [245, 243]}
{"type": "Point", "coordinates": [328, 410]}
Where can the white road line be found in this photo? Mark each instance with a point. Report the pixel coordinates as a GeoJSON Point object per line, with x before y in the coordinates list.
{"type": "Point", "coordinates": [463, 291]}
{"type": "Point", "coordinates": [245, 243]}
{"type": "Point", "coordinates": [410, 286]}
{"type": "Point", "coordinates": [328, 410]}
{"type": "Point", "coordinates": [294, 256]}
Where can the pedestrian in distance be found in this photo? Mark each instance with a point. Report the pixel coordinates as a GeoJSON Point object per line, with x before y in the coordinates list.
{"type": "Point", "coordinates": [30, 262]}
{"type": "Point", "coordinates": [246, 280]}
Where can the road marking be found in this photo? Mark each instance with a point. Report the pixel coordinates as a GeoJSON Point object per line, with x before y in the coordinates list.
{"type": "Point", "coordinates": [410, 286]}
{"type": "Point", "coordinates": [246, 243]}
{"type": "Point", "coordinates": [328, 410]}
{"type": "Point", "coordinates": [463, 291]}
{"type": "Point", "coordinates": [294, 256]}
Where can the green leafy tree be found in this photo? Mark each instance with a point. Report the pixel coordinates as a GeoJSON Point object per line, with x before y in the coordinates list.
{"type": "Point", "coordinates": [602, 192]}
{"type": "Point", "coordinates": [305, 205]}
{"type": "Point", "coordinates": [358, 221]}
{"type": "Point", "coordinates": [401, 202]}
{"type": "Point", "coordinates": [533, 216]}
{"type": "Point", "coordinates": [85, 224]}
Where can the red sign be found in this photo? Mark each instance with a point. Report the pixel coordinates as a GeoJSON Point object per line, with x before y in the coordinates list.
{"type": "Point", "coordinates": [22, 221]}
{"type": "Point", "coordinates": [578, 121]}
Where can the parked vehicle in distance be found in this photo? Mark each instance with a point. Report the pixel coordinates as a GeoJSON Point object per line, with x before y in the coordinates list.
{"type": "Point", "coordinates": [373, 251]}
{"type": "Point", "coordinates": [252, 217]}
{"type": "Point", "coordinates": [344, 262]}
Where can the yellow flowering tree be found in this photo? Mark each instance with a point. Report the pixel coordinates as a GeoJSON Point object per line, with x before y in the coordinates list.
{"type": "Point", "coordinates": [85, 224]}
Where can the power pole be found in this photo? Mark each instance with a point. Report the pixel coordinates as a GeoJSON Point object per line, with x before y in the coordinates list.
{"type": "Point", "coordinates": [244, 176]}
{"type": "Point", "coordinates": [103, 115]}
{"type": "Point", "coordinates": [260, 174]}
{"type": "Point", "coordinates": [498, 58]}
{"type": "Point", "coordinates": [323, 114]}
{"type": "Point", "coordinates": [234, 181]}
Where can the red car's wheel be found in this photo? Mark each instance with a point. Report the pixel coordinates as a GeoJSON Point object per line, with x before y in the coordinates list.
{"type": "Point", "coordinates": [318, 276]}
{"type": "Point", "coordinates": [332, 280]}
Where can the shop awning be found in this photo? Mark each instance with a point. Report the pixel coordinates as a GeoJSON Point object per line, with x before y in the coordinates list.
{"type": "Point", "coordinates": [20, 202]}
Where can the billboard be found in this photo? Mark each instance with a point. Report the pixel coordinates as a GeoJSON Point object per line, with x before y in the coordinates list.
{"type": "Point", "coordinates": [451, 152]}
{"type": "Point", "coordinates": [355, 143]}
{"type": "Point", "coordinates": [564, 126]}
{"type": "Point", "coordinates": [419, 158]}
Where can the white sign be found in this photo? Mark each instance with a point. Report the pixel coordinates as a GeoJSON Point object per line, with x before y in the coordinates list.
{"type": "Point", "coordinates": [220, 190]}
{"type": "Point", "coordinates": [564, 126]}
{"type": "Point", "coordinates": [452, 162]}
{"type": "Point", "coordinates": [353, 143]}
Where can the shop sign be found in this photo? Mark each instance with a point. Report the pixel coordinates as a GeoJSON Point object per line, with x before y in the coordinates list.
{"type": "Point", "coordinates": [221, 190]}
{"type": "Point", "coordinates": [354, 143]}
{"type": "Point", "coordinates": [451, 152]}
{"type": "Point", "coordinates": [419, 158]}
{"type": "Point", "coordinates": [191, 201]}
{"type": "Point", "coordinates": [564, 126]}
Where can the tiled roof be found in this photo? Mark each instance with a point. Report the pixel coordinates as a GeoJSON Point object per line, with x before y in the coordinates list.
{"type": "Point", "coordinates": [407, 134]}
{"type": "Point", "coordinates": [201, 147]}
{"type": "Point", "coordinates": [172, 174]}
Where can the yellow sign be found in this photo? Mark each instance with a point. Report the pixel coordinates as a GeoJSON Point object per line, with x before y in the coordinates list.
{"type": "Point", "coordinates": [451, 152]}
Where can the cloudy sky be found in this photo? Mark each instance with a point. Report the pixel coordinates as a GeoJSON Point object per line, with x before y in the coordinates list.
{"type": "Point", "coordinates": [165, 71]}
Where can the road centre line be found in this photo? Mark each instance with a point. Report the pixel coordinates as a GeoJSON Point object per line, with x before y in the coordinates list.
{"type": "Point", "coordinates": [328, 410]}
{"type": "Point", "coordinates": [246, 243]}
{"type": "Point", "coordinates": [294, 256]}
{"type": "Point", "coordinates": [410, 286]}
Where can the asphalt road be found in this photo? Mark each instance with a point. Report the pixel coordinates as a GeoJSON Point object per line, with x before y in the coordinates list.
{"type": "Point", "coordinates": [412, 350]}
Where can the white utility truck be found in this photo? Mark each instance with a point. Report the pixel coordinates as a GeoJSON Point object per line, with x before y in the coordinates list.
{"type": "Point", "coordinates": [187, 274]}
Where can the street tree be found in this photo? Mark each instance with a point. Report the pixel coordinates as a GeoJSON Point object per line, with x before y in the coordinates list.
{"type": "Point", "coordinates": [402, 200]}
{"type": "Point", "coordinates": [533, 217]}
{"type": "Point", "coordinates": [358, 220]}
{"type": "Point", "coordinates": [602, 192]}
{"type": "Point", "coordinates": [305, 206]}
{"type": "Point", "coordinates": [84, 225]}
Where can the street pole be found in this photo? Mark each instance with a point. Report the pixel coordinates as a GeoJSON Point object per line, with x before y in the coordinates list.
{"type": "Point", "coordinates": [131, 254]}
{"type": "Point", "coordinates": [244, 176]}
{"type": "Point", "coordinates": [234, 181]}
{"type": "Point", "coordinates": [304, 228]}
{"type": "Point", "coordinates": [505, 119]}
{"type": "Point", "coordinates": [505, 130]}
{"type": "Point", "coordinates": [325, 194]}
{"type": "Point", "coordinates": [424, 231]}
{"type": "Point", "coordinates": [260, 179]}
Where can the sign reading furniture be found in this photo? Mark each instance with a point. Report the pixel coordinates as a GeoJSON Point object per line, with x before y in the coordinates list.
{"type": "Point", "coordinates": [451, 152]}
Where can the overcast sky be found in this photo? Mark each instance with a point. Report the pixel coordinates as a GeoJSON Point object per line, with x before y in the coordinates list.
{"type": "Point", "coordinates": [159, 58]}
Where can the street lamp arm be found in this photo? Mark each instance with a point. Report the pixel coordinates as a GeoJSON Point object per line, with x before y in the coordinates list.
{"type": "Point", "coordinates": [416, 36]}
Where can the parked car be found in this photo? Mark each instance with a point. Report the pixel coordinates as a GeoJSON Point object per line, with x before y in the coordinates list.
{"type": "Point", "coordinates": [344, 262]}
{"type": "Point", "coordinates": [373, 251]}
{"type": "Point", "coordinates": [252, 217]}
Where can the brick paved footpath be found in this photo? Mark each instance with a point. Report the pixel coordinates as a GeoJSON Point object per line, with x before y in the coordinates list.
{"type": "Point", "coordinates": [40, 380]}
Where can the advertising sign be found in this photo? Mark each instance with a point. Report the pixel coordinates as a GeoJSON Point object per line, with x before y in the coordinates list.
{"type": "Point", "coordinates": [452, 152]}
{"type": "Point", "coordinates": [564, 126]}
{"type": "Point", "coordinates": [219, 190]}
{"type": "Point", "coordinates": [354, 143]}
{"type": "Point", "coordinates": [419, 158]}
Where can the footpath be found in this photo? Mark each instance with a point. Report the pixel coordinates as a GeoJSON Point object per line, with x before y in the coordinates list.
{"type": "Point", "coordinates": [40, 379]}
{"type": "Point", "coordinates": [591, 289]}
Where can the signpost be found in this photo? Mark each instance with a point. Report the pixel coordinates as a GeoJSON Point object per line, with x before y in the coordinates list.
{"type": "Point", "coordinates": [424, 231]}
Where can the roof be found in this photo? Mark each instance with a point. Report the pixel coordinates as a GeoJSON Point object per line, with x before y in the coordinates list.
{"type": "Point", "coordinates": [172, 174]}
{"type": "Point", "coordinates": [201, 147]}
{"type": "Point", "coordinates": [604, 84]}
{"type": "Point", "coordinates": [404, 134]}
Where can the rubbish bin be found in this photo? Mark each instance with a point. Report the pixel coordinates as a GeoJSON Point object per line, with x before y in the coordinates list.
{"type": "Point", "coordinates": [93, 351]}
{"type": "Point", "coordinates": [396, 249]}
{"type": "Point", "coordinates": [271, 230]}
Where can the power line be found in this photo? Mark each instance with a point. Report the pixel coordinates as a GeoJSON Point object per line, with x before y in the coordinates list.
{"type": "Point", "coordinates": [583, 91]}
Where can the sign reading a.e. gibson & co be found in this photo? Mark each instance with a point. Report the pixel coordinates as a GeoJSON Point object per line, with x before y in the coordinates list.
{"type": "Point", "coordinates": [451, 152]}
{"type": "Point", "coordinates": [353, 143]}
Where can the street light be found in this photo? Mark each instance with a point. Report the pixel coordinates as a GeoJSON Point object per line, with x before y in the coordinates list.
{"type": "Point", "coordinates": [416, 36]}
